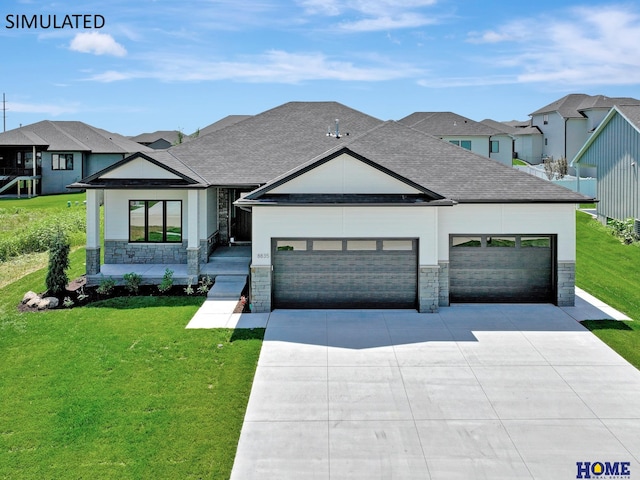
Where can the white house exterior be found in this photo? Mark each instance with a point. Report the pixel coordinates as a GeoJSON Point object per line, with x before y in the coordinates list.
{"type": "Point", "coordinates": [386, 216]}
{"type": "Point", "coordinates": [567, 123]}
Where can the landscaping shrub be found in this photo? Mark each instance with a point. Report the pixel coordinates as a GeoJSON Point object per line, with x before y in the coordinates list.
{"type": "Point", "coordinates": [167, 281]}
{"type": "Point", "coordinates": [132, 282]}
{"type": "Point", "coordinates": [623, 229]}
{"type": "Point", "coordinates": [57, 279]}
{"type": "Point", "coordinates": [106, 286]}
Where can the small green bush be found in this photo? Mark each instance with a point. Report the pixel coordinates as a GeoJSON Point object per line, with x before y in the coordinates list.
{"type": "Point", "coordinates": [624, 230]}
{"type": "Point", "coordinates": [167, 281]}
{"type": "Point", "coordinates": [132, 282]}
{"type": "Point", "coordinates": [57, 278]}
{"type": "Point", "coordinates": [106, 286]}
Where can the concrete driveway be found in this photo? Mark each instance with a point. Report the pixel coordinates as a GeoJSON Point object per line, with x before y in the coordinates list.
{"type": "Point", "coordinates": [476, 391]}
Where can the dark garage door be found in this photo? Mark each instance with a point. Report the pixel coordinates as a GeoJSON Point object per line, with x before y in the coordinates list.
{"type": "Point", "coordinates": [345, 273]}
{"type": "Point", "coordinates": [505, 268]}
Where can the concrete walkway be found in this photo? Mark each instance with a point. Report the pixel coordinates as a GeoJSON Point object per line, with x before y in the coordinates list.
{"type": "Point", "coordinates": [475, 391]}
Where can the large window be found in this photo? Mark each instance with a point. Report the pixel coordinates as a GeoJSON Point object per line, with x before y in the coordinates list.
{"type": "Point", "coordinates": [494, 146]}
{"type": "Point", "coordinates": [157, 221]}
{"type": "Point", "coordinates": [62, 161]}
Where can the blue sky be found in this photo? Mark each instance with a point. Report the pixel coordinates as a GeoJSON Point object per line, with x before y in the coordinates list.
{"type": "Point", "coordinates": [164, 65]}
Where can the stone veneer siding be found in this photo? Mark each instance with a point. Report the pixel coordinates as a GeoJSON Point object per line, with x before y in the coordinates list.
{"type": "Point", "coordinates": [93, 260]}
{"type": "Point", "coordinates": [566, 284]}
{"type": "Point", "coordinates": [193, 262]}
{"type": "Point", "coordinates": [121, 251]}
{"type": "Point", "coordinates": [443, 281]}
{"type": "Point", "coordinates": [260, 296]}
{"type": "Point", "coordinates": [223, 215]}
{"type": "Point", "coordinates": [428, 288]}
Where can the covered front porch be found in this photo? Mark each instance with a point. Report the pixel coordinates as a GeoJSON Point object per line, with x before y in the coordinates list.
{"type": "Point", "coordinates": [231, 261]}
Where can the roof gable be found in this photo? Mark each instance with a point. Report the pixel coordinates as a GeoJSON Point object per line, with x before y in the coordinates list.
{"type": "Point", "coordinates": [140, 167]}
{"type": "Point", "coordinates": [630, 113]}
{"type": "Point", "coordinates": [140, 170]}
{"type": "Point", "coordinates": [345, 172]}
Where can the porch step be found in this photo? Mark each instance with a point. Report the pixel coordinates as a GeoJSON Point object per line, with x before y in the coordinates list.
{"type": "Point", "coordinates": [228, 287]}
{"type": "Point", "coordinates": [226, 266]}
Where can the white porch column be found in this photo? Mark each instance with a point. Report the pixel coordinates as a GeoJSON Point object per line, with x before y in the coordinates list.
{"type": "Point", "coordinates": [94, 199]}
{"type": "Point", "coordinates": [193, 233]}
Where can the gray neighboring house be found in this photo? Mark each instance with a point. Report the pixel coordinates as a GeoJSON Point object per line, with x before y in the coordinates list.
{"type": "Point", "coordinates": [527, 139]}
{"type": "Point", "coordinates": [161, 139]}
{"type": "Point", "coordinates": [421, 222]}
{"type": "Point", "coordinates": [464, 132]}
{"type": "Point", "coordinates": [614, 151]}
{"type": "Point", "coordinates": [567, 123]}
{"type": "Point", "coordinates": [64, 152]}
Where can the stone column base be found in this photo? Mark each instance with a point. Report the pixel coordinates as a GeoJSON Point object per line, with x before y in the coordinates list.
{"type": "Point", "coordinates": [443, 284]}
{"type": "Point", "coordinates": [260, 295]}
{"type": "Point", "coordinates": [93, 260]}
{"type": "Point", "coordinates": [566, 284]}
{"type": "Point", "coordinates": [193, 262]}
{"type": "Point", "coordinates": [428, 289]}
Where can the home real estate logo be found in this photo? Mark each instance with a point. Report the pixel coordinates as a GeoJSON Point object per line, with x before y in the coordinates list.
{"type": "Point", "coordinates": [604, 470]}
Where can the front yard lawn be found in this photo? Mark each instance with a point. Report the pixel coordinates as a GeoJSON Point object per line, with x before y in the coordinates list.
{"type": "Point", "coordinates": [119, 389]}
{"type": "Point", "coordinates": [608, 270]}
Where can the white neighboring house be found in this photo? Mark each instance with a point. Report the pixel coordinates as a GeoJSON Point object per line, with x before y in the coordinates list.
{"type": "Point", "coordinates": [527, 139]}
{"type": "Point", "coordinates": [464, 132]}
{"type": "Point", "coordinates": [376, 214]}
{"type": "Point", "coordinates": [567, 123]}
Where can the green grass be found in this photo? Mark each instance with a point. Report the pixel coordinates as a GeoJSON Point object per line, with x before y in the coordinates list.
{"type": "Point", "coordinates": [28, 224]}
{"type": "Point", "coordinates": [519, 162]}
{"type": "Point", "coordinates": [119, 389]}
{"type": "Point", "coordinates": [608, 270]}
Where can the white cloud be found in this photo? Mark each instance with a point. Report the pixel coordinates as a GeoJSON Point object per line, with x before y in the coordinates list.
{"type": "Point", "coordinates": [275, 66]}
{"type": "Point", "coordinates": [45, 109]}
{"type": "Point", "coordinates": [98, 44]}
{"type": "Point", "coordinates": [372, 15]}
{"type": "Point", "coordinates": [574, 48]}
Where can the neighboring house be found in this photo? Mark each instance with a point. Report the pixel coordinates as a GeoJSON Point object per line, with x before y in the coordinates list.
{"type": "Point", "coordinates": [64, 152]}
{"type": "Point", "coordinates": [567, 123]}
{"type": "Point", "coordinates": [614, 151]}
{"type": "Point", "coordinates": [464, 132]}
{"type": "Point", "coordinates": [161, 140]}
{"type": "Point", "coordinates": [527, 139]}
{"type": "Point", "coordinates": [363, 214]}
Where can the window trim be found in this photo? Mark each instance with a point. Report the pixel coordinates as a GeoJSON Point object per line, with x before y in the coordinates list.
{"type": "Point", "coordinates": [68, 161]}
{"type": "Point", "coordinates": [164, 222]}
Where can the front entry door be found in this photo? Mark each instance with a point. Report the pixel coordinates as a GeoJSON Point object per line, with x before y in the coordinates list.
{"type": "Point", "coordinates": [240, 220]}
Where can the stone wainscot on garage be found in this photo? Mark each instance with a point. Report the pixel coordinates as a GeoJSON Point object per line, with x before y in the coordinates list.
{"type": "Point", "coordinates": [358, 213]}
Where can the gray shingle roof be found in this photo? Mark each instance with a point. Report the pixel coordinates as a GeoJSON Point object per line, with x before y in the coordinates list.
{"type": "Point", "coordinates": [447, 124]}
{"type": "Point", "coordinates": [631, 113]}
{"type": "Point", "coordinates": [454, 173]}
{"type": "Point", "coordinates": [223, 123]}
{"type": "Point", "coordinates": [257, 149]}
{"type": "Point", "coordinates": [170, 136]}
{"type": "Point", "coordinates": [69, 136]}
{"type": "Point", "coordinates": [571, 106]}
{"type": "Point", "coordinates": [286, 139]}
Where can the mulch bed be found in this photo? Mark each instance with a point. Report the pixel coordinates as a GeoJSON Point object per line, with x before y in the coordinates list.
{"type": "Point", "coordinates": [78, 287]}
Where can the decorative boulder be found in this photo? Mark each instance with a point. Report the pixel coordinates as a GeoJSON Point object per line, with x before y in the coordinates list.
{"type": "Point", "coordinates": [34, 302]}
{"type": "Point", "coordinates": [48, 302]}
{"type": "Point", "coordinates": [29, 296]}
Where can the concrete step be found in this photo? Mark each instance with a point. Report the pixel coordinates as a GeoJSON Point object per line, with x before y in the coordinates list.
{"type": "Point", "coordinates": [228, 287]}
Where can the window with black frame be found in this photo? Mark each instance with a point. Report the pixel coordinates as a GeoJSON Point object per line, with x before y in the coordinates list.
{"type": "Point", "coordinates": [155, 221]}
